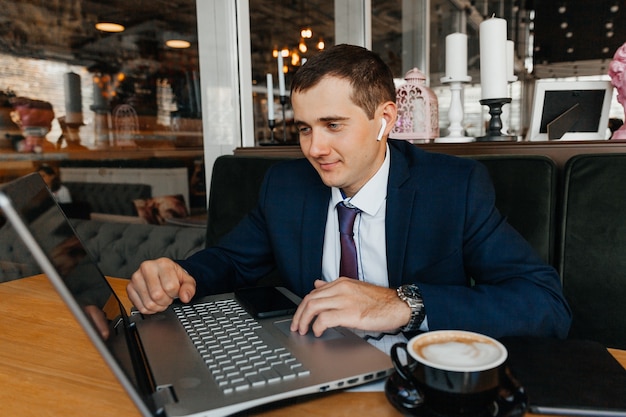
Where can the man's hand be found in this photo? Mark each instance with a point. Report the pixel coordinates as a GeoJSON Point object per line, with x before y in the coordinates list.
{"type": "Point", "coordinates": [99, 319]}
{"type": "Point", "coordinates": [350, 303]}
{"type": "Point", "coordinates": [155, 285]}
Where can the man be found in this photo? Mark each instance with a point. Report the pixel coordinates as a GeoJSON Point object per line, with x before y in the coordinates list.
{"type": "Point", "coordinates": [433, 252]}
{"type": "Point", "coordinates": [53, 181]}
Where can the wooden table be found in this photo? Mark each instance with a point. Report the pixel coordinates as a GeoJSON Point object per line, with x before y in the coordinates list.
{"type": "Point", "coordinates": [48, 367]}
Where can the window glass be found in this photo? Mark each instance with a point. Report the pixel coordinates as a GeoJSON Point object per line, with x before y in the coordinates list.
{"type": "Point", "coordinates": [396, 38]}
{"type": "Point", "coordinates": [296, 29]}
{"type": "Point", "coordinates": [109, 88]}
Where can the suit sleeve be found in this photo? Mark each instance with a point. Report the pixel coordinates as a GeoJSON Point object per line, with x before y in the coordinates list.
{"type": "Point", "coordinates": [509, 290]}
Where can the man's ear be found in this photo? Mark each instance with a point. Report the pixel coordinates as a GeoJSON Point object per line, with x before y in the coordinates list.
{"type": "Point", "coordinates": [388, 117]}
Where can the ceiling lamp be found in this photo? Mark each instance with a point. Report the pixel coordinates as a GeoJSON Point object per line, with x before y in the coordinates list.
{"type": "Point", "coordinates": [178, 43]}
{"type": "Point", "coordinates": [306, 33]}
{"type": "Point", "coordinates": [321, 45]}
{"type": "Point", "coordinates": [110, 27]}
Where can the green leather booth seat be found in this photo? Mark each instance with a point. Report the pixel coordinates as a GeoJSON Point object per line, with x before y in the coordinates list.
{"type": "Point", "coordinates": [526, 193]}
{"type": "Point", "coordinates": [234, 191]}
{"type": "Point", "coordinates": [526, 190]}
{"type": "Point", "coordinates": [592, 249]}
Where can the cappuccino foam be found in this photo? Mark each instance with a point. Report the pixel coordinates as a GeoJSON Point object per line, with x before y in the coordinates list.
{"type": "Point", "coordinates": [456, 352]}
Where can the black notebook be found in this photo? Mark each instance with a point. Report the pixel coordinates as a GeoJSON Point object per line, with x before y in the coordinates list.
{"type": "Point", "coordinates": [568, 377]}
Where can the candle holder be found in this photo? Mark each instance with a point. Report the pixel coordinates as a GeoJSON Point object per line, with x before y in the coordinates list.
{"type": "Point", "coordinates": [494, 132]}
{"type": "Point", "coordinates": [71, 134]}
{"type": "Point", "coordinates": [283, 103]}
{"type": "Point", "coordinates": [455, 113]}
{"type": "Point", "coordinates": [272, 124]}
{"type": "Point", "coordinates": [272, 142]}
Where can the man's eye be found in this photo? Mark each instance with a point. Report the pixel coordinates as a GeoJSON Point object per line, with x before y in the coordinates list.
{"type": "Point", "coordinates": [333, 126]}
{"type": "Point", "coordinates": [304, 130]}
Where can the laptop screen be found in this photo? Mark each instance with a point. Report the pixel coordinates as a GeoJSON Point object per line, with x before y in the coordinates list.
{"type": "Point", "coordinates": [95, 301]}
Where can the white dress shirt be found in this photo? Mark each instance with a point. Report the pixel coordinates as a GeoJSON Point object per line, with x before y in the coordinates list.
{"type": "Point", "coordinates": [369, 230]}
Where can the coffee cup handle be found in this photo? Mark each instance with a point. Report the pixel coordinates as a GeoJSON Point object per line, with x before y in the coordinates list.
{"type": "Point", "coordinates": [403, 370]}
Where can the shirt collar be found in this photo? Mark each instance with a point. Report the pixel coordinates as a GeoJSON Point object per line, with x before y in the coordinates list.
{"type": "Point", "coordinates": [372, 195]}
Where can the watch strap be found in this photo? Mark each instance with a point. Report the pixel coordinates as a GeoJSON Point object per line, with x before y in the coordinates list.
{"type": "Point", "coordinates": [413, 297]}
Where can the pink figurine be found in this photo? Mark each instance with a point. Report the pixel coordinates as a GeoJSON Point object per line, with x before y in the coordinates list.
{"type": "Point", "coordinates": [35, 118]}
{"type": "Point", "coordinates": [617, 72]}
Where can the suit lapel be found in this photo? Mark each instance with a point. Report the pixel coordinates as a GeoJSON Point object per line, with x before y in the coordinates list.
{"type": "Point", "coordinates": [398, 218]}
{"type": "Point", "coordinates": [313, 227]}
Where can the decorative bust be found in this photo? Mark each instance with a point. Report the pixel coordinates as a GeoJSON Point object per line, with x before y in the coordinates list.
{"type": "Point", "coordinates": [617, 72]}
{"type": "Point", "coordinates": [35, 118]}
{"type": "Point", "coordinates": [9, 131]}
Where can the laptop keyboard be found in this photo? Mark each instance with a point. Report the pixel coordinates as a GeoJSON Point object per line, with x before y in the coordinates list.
{"type": "Point", "coordinates": [238, 352]}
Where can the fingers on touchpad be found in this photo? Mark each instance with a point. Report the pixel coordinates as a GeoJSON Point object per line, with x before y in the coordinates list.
{"type": "Point", "coordinates": [285, 327]}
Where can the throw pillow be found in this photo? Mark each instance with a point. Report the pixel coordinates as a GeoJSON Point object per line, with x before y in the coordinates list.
{"type": "Point", "coordinates": [157, 209]}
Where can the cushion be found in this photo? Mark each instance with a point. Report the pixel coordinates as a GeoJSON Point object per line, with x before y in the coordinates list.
{"type": "Point", "coordinates": [526, 194]}
{"type": "Point", "coordinates": [156, 210]}
{"type": "Point", "coordinates": [235, 185]}
{"type": "Point", "coordinates": [593, 247]}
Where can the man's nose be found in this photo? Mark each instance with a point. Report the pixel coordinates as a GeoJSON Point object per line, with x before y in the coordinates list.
{"type": "Point", "coordinates": [319, 144]}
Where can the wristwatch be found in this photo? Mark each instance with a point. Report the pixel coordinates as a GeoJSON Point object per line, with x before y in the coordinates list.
{"type": "Point", "coordinates": [411, 294]}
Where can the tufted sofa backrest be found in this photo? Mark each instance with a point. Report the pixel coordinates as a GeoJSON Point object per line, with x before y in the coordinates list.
{"type": "Point", "coordinates": [111, 198]}
{"type": "Point", "coordinates": [119, 248]}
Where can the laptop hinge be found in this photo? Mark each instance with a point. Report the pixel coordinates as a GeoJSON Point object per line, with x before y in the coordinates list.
{"type": "Point", "coordinates": [164, 395]}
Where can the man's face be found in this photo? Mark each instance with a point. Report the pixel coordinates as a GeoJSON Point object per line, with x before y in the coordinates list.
{"type": "Point", "coordinates": [336, 135]}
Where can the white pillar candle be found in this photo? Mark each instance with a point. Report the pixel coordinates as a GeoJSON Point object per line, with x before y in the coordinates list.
{"type": "Point", "coordinates": [510, 61]}
{"type": "Point", "coordinates": [281, 76]}
{"type": "Point", "coordinates": [493, 75]}
{"type": "Point", "coordinates": [270, 97]}
{"type": "Point", "coordinates": [456, 56]}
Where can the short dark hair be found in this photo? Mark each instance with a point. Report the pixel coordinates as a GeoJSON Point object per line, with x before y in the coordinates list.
{"type": "Point", "coordinates": [56, 181]}
{"type": "Point", "coordinates": [371, 79]}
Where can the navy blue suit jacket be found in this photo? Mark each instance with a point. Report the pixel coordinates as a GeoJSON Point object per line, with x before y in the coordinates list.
{"type": "Point", "coordinates": [443, 232]}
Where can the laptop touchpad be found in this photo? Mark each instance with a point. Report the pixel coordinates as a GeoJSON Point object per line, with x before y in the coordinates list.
{"type": "Point", "coordinates": [329, 334]}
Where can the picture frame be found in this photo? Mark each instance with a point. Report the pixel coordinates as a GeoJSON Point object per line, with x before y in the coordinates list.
{"type": "Point", "coordinates": [570, 110]}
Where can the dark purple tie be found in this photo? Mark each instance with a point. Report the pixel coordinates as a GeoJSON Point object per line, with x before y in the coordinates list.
{"type": "Point", "coordinates": [348, 264]}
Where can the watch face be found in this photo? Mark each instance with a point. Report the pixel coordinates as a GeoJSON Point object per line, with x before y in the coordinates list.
{"type": "Point", "coordinates": [411, 291]}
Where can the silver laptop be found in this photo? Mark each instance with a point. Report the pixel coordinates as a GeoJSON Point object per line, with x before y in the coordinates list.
{"type": "Point", "coordinates": [208, 358]}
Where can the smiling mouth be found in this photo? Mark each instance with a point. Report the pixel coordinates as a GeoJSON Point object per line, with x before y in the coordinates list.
{"type": "Point", "coordinates": [327, 165]}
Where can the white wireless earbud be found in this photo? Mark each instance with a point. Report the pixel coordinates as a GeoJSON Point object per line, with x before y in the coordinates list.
{"type": "Point", "coordinates": [383, 126]}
